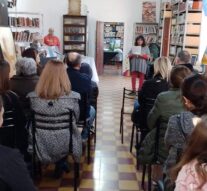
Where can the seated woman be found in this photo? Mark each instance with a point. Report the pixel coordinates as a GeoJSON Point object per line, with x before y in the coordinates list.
{"type": "Point", "coordinates": [151, 88]}
{"type": "Point", "coordinates": [33, 53]}
{"type": "Point", "coordinates": [53, 96]}
{"type": "Point", "coordinates": [166, 104]}
{"type": "Point", "coordinates": [191, 172]}
{"type": "Point", "coordinates": [13, 133]}
{"type": "Point", "coordinates": [13, 174]}
{"type": "Point", "coordinates": [194, 92]}
{"type": "Point", "coordinates": [24, 81]}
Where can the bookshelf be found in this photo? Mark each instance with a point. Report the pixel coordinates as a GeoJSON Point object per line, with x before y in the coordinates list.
{"type": "Point", "coordinates": [74, 34]}
{"type": "Point", "coordinates": [186, 26]}
{"type": "Point", "coordinates": [148, 30]}
{"type": "Point", "coordinates": [165, 28]}
{"type": "Point", "coordinates": [25, 26]}
{"type": "Point", "coordinates": [113, 32]}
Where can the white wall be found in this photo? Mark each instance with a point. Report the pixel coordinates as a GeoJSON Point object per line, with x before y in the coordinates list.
{"type": "Point", "coordinates": [127, 11]}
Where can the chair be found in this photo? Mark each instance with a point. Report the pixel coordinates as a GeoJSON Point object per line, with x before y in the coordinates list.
{"type": "Point", "coordinates": [126, 95]}
{"type": "Point", "coordinates": [62, 121]}
{"type": "Point", "coordinates": [139, 120]}
{"type": "Point", "coordinates": [82, 123]}
{"type": "Point", "coordinates": [8, 130]}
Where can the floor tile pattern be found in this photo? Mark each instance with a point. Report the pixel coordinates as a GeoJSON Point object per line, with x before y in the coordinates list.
{"type": "Point", "coordinates": [113, 166]}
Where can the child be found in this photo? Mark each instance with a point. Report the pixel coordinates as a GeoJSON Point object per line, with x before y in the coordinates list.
{"type": "Point", "coordinates": [191, 171]}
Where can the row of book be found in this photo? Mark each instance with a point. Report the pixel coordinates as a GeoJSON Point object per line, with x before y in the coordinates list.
{"type": "Point", "coordinates": [146, 29]}
{"type": "Point", "coordinates": [24, 22]}
{"type": "Point", "coordinates": [24, 36]}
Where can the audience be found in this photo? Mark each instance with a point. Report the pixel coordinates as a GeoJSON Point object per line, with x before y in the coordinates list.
{"type": "Point", "coordinates": [166, 104]}
{"type": "Point", "coordinates": [33, 53]}
{"type": "Point", "coordinates": [14, 175]}
{"type": "Point", "coordinates": [81, 83]}
{"type": "Point", "coordinates": [151, 88]}
{"type": "Point", "coordinates": [194, 92]}
{"type": "Point", "coordinates": [183, 58]}
{"type": "Point", "coordinates": [13, 133]}
{"type": "Point", "coordinates": [191, 171]}
{"type": "Point", "coordinates": [24, 81]}
{"type": "Point", "coordinates": [53, 96]}
{"type": "Point", "coordinates": [86, 69]}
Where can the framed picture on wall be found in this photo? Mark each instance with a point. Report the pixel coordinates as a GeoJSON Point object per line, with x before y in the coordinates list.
{"type": "Point", "coordinates": [149, 12]}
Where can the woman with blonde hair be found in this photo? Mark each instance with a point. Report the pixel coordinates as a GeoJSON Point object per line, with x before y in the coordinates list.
{"type": "Point", "coordinates": [191, 171]}
{"type": "Point", "coordinates": [151, 88]}
{"type": "Point", "coordinates": [53, 96]}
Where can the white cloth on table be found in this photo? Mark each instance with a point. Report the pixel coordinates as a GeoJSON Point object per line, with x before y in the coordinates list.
{"type": "Point", "coordinates": [91, 62]}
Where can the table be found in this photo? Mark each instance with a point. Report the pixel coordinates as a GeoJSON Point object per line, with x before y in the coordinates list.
{"type": "Point", "coordinates": [108, 55]}
{"type": "Point", "coordinates": [91, 62]}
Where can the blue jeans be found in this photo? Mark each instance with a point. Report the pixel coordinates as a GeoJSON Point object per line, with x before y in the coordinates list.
{"type": "Point", "coordinates": [136, 105]}
{"type": "Point", "coordinates": [86, 131]}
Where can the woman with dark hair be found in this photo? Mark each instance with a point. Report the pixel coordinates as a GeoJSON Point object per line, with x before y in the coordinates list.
{"type": "Point", "coordinates": [191, 171]}
{"type": "Point", "coordinates": [194, 92]}
{"type": "Point", "coordinates": [138, 63]}
{"type": "Point", "coordinates": [13, 132]}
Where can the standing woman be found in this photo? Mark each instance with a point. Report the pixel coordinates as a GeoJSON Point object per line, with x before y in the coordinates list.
{"type": "Point", "coordinates": [138, 63]}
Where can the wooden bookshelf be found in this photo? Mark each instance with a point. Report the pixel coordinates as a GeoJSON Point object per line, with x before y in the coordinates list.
{"type": "Point", "coordinates": [112, 32]}
{"type": "Point", "coordinates": [74, 34]}
{"type": "Point", "coordinates": [148, 30]}
{"type": "Point", "coordinates": [186, 27]}
{"type": "Point", "coordinates": [165, 28]}
{"type": "Point", "coordinates": [25, 26]}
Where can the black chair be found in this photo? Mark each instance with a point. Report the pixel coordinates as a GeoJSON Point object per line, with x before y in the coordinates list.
{"type": "Point", "coordinates": [62, 121]}
{"type": "Point", "coordinates": [8, 130]}
{"type": "Point", "coordinates": [126, 95]}
{"type": "Point", "coordinates": [82, 123]}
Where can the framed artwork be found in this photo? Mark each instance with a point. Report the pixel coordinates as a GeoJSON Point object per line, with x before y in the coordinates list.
{"type": "Point", "coordinates": [74, 7]}
{"type": "Point", "coordinates": [149, 12]}
{"type": "Point", "coordinates": [8, 48]}
{"type": "Point", "coordinates": [194, 59]}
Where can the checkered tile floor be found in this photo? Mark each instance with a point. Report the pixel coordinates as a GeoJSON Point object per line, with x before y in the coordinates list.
{"type": "Point", "coordinates": [113, 166]}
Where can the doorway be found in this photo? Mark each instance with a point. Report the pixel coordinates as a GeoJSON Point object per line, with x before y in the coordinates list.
{"type": "Point", "coordinates": [109, 47]}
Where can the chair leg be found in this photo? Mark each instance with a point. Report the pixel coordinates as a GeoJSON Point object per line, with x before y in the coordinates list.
{"type": "Point", "coordinates": [95, 126]}
{"type": "Point", "coordinates": [89, 149]}
{"type": "Point", "coordinates": [132, 137]}
{"type": "Point", "coordinates": [149, 177]}
{"type": "Point", "coordinates": [121, 121]}
{"type": "Point", "coordinates": [76, 176]}
{"type": "Point", "coordinates": [143, 176]}
{"type": "Point", "coordinates": [137, 146]}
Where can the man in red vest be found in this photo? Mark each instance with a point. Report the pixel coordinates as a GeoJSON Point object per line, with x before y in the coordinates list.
{"type": "Point", "coordinates": [51, 39]}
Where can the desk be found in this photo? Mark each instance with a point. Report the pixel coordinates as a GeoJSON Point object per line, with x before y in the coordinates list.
{"type": "Point", "coordinates": [91, 62]}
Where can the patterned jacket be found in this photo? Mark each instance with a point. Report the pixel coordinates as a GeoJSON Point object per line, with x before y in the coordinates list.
{"type": "Point", "coordinates": [53, 145]}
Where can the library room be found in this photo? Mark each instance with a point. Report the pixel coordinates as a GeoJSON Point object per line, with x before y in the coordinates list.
{"type": "Point", "coordinates": [103, 95]}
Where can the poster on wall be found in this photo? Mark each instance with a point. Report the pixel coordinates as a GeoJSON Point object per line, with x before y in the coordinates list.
{"type": "Point", "coordinates": [8, 48]}
{"type": "Point", "coordinates": [74, 7]}
{"type": "Point", "coordinates": [149, 12]}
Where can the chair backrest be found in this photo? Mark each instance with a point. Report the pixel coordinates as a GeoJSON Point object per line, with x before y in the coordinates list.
{"type": "Point", "coordinates": [84, 104]}
{"type": "Point", "coordinates": [8, 130]}
{"type": "Point", "coordinates": [54, 123]}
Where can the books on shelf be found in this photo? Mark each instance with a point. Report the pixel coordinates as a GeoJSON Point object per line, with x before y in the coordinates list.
{"type": "Point", "coordinates": [24, 22]}
{"type": "Point", "coordinates": [24, 36]}
{"type": "Point", "coordinates": [146, 29]}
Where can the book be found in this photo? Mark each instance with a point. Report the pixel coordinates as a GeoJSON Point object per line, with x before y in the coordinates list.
{"type": "Point", "coordinates": [137, 50]}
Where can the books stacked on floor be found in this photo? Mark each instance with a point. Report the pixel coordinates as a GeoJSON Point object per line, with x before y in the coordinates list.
{"type": "Point", "coordinates": [24, 36]}
{"type": "Point", "coordinates": [24, 22]}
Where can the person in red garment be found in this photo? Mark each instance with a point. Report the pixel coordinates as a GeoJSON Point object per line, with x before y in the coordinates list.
{"type": "Point", "coordinates": [51, 39]}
